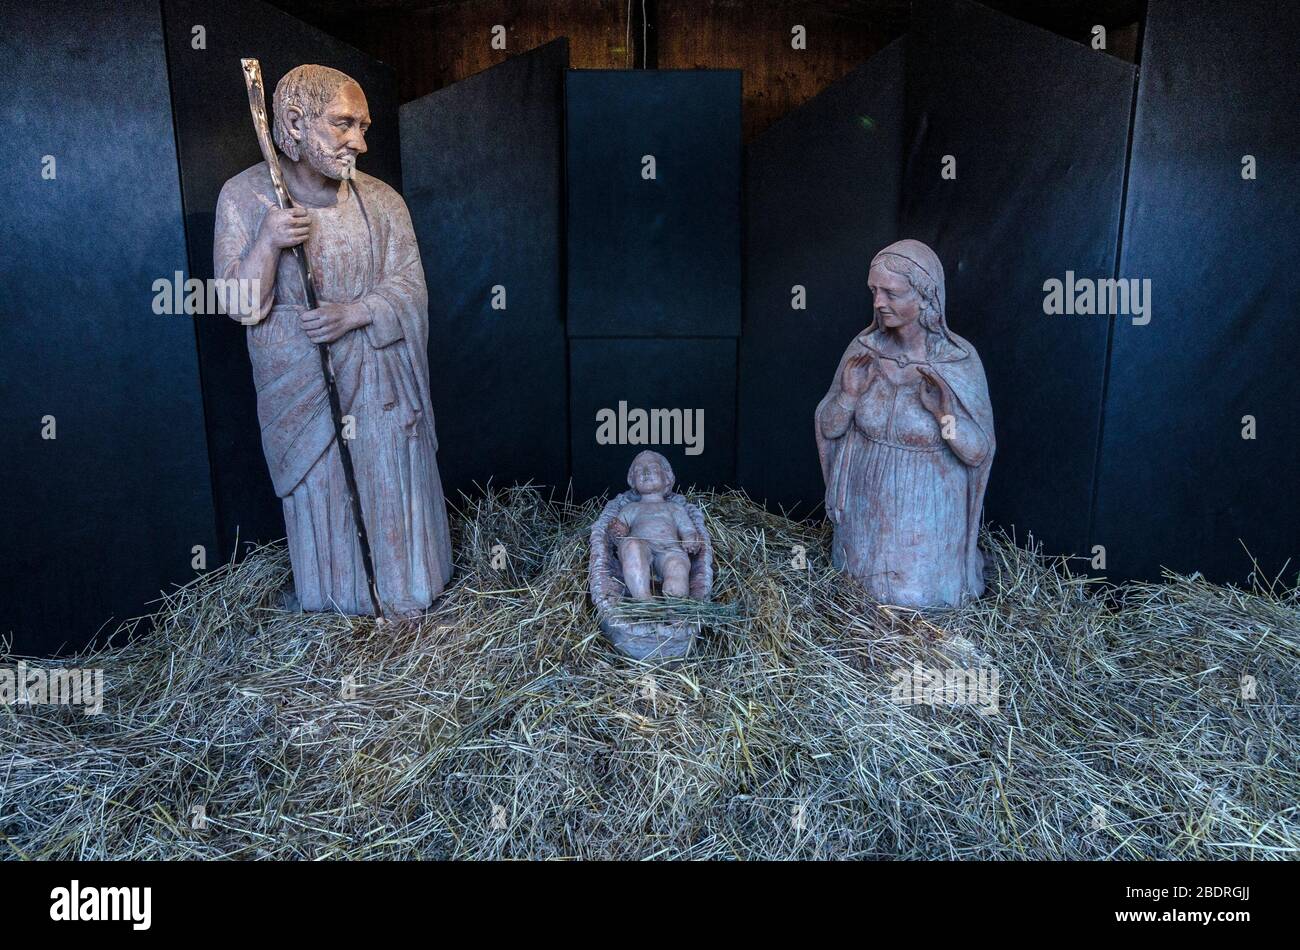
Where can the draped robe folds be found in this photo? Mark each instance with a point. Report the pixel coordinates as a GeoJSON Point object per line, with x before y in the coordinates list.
{"type": "Point", "coordinates": [363, 250]}
{"type": "Point", "coordinates": [905, 508]}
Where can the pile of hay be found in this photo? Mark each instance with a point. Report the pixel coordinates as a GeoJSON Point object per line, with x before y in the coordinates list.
{"type": "Point", "coordinates": [503, 726]}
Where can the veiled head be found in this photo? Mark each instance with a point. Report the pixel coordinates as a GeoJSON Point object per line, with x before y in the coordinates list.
{"type": "Point", "coordinates": [906, 284]}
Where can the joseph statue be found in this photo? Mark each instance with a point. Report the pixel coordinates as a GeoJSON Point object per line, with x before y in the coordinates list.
{"type": "Point", "coordinates": [373, 313]}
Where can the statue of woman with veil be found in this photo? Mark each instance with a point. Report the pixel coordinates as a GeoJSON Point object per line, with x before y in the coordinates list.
{"type": "Point", "coordinates": [906, 442]}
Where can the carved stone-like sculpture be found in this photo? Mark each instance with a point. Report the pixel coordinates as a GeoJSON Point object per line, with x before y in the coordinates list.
{"type": "Point", "coordinates": [647, 535]}
{"type": "Point", "coordinates": [905, 437]}
{"type": "Point", "coordinates": [373, 313]}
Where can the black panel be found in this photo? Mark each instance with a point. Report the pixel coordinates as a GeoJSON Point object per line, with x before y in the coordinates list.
{"type": "Point", "coordinates": [822, 195]}
{"type": "Point", "coordinates": [1039, 129]}
{"type": "Point", "coordinates": [1178, 484]}
{"type": "Point", "coordinates": [693, 374]}
{"type": "Point", "coordinates": [100, 519]}
{"type": "Point", "coordinates": [661, 257]}
{"type": "Point", "coordinates": [482, 165]}
{"type": "Point", "coordinates": [214, 138]}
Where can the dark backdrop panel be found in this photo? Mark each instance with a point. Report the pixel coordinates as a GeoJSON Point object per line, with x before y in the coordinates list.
{"type": "Point", "coordinates": [821, 196]}
{"type": "Point", "coordinates": [214, 138]}
{"type": "Point", "coordinates": [661, 257]}
{"type": "Point", "coordinates": [1179, 486]}
{"type": "Point", "coordinates": [1038, 126]}
{"type": "Point", "coordinates": [482, 166]}
{"type": "Point", "coordinates": [100, 519]}
{"type": "Point", "coordinates": [653, 374]}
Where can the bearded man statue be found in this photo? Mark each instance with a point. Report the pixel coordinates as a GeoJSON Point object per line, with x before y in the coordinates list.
{"type": "Point", "coordinates": [373, 314]}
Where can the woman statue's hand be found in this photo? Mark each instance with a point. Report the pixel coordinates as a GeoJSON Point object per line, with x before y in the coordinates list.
{"type": "Point", "coordinates": [857, 375]}
{"type": "Point", "coordinates": [936, 395]}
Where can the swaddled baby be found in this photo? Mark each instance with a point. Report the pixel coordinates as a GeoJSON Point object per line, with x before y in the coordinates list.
{"type": "Point", "coordinates": [654, 536]}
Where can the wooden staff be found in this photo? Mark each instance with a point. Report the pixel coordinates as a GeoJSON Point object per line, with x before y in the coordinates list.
{"type": "Point", "coordinates": [257, 105]}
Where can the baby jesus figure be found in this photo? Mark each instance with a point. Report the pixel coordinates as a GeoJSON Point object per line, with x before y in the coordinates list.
{"type": "Point", "coordinates": [655, 536]}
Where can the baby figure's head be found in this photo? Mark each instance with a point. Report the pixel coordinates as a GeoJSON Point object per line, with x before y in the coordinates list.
{"type": "Point", "coordinates": [650, 474]}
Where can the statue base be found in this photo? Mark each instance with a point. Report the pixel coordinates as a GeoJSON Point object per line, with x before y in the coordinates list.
{"type": "Point", "coordinates": [651, 642]}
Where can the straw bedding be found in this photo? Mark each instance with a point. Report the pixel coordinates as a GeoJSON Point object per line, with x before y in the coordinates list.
{"type": "Point", "coordinates": [503, 726]}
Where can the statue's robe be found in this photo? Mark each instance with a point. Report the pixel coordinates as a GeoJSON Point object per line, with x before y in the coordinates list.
{"type": "Point", "coordinates": [362, 250]}
{"type": "Point", "coordinates": [905, 507]}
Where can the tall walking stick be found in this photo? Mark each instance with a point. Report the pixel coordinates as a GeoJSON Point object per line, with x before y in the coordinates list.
{"type": "Point", "coordinates": [257, 105]}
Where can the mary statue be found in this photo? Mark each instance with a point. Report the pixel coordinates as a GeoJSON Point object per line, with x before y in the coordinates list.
{"type": "Point", "coordinates": [905, 437]}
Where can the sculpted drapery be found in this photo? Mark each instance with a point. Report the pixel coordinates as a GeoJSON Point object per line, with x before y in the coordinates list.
{"type": "Point", "coordinates": [363, 251]}
{"type": "Point", "coordinates": [906, 460]}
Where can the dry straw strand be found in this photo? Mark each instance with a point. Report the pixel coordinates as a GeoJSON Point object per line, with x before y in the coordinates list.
{"type": "Point", "coordinates": [502, 725]}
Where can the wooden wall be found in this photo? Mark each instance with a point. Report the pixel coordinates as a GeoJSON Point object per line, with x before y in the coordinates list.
{"type": "Point", "coordinates": [439, 45]}
{"type": "Point", "coordinates": [434, 43]}
{"type": "Point", "coordinates": [756, 38]}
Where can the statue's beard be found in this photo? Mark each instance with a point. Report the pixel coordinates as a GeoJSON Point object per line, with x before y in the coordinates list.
{"type": "Point", "coordinates": [337, 166]}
